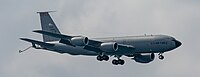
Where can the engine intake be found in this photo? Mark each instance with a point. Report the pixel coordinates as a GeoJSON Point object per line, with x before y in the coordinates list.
{"type": "Point", "coordinates": [109, 47]}
{"type": "Point", "coordinates": [144, 58]}
{"type": "Point", "coordinates": [79, 41]}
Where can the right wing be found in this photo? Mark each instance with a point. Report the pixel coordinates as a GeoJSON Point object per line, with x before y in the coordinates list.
{"type": "Point", "coordinates": [93, 45]}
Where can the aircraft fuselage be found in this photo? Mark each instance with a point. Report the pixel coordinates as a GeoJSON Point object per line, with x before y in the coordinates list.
{"type": "Point", "coordinates": [142, 44]}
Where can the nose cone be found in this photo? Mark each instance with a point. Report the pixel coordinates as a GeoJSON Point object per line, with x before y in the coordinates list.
{"type": "Point", "coordinates": [177, 43]}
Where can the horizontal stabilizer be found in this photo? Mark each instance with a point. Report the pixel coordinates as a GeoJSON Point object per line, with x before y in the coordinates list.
{"type": "Point", "coordinates": [53, 34]}
{"type": "Point", "coordinates": [37, 42]}
{"type": "Point", "coordinates": [46, 12]}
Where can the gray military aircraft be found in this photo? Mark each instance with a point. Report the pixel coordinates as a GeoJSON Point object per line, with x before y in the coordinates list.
{"type": "Point", "coordinates": [138, 48]}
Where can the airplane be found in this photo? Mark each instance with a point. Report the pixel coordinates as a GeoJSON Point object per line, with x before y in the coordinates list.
{"type": "Point", "coordinates": [141, 49]}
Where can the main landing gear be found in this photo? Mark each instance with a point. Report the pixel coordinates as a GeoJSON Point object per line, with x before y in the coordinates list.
{"type": "Point", "coordinates": [118, 61]}
{"type": "Point", "coordinates": [114, 62]}
{"type": "Point", "coordinates": [160, 56]}
{"type": "Point", "coordinates": [102, 57]}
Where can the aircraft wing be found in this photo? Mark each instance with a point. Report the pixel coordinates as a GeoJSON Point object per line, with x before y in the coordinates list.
{"type": "Point", "coordinates": [37, 42]}
{"type": "Point", "coordinates": [122, 48]}
{"type": "Point", "coordinates": [66, 38]}
{"type": "Point", "coordinates": [93, 45]}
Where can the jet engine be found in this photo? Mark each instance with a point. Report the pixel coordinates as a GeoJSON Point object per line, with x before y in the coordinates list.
{"type": "Point", "coordinates": [109, 47]}
{"type": "Point", "coordinates": [79, 41]}
{"type": "Point", "coordinates": [146, 58]}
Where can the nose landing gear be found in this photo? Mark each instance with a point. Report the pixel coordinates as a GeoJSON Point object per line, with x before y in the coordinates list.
{"type": "Point", "coordinates": [160, 56]}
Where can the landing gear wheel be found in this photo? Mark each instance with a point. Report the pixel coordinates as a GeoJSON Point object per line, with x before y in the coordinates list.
{"type": "Point", "coordinates": [116, 62]}
{"type": "Point", "coordinates": [121, 62]}
{"type": "Point", "coordinates": [99, 58]}
{"type": "Point", "coordinates": [161, 57]}
{"type": "Point", "coordinates": [105, 57]}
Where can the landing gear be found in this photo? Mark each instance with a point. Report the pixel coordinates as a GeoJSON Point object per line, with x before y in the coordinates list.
{"type": "Point", "coordinates": [114, 62]}
{"type": "Point", "coordinates": [118, 61]}
{"type": "Point", "coordinates": [102, 57]}
{"type": "Point", "coordinates": [161, 57]}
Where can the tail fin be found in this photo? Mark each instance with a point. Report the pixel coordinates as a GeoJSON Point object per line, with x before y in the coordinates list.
{"type": "Point", "coordinates": [48, 24]}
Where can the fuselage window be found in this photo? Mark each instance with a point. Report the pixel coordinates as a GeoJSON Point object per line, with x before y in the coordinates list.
{"type": "Point", "coordinates": [158, 43]}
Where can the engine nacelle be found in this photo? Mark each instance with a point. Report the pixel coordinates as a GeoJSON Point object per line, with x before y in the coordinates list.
{"type": "Point", "coordinates": [79, 41]}
{"type": "Point", "coordinates": [144, 58]}
{"type": "Point", "coordinates": [109, 47]}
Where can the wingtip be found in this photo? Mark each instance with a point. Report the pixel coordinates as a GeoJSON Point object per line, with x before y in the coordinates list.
{"type": "Point", "coordinates": [22, 38]}
{"type": "Point", "coordinates": [37, 31]}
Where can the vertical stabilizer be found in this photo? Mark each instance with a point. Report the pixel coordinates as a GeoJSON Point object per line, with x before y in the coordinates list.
{"type": "Point", "coordinates": [48, 24]}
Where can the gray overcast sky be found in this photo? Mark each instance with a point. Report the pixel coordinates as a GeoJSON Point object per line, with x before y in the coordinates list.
{"type": "Point", "coordinates": [99, 18]}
